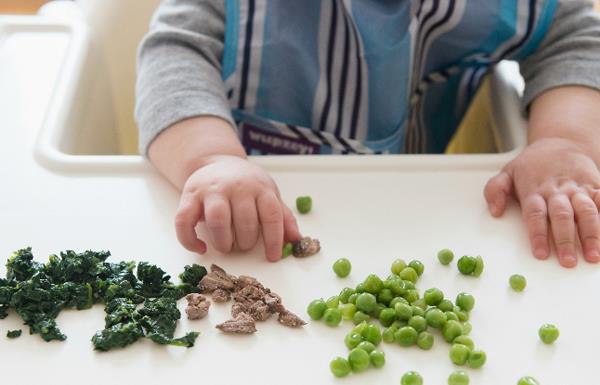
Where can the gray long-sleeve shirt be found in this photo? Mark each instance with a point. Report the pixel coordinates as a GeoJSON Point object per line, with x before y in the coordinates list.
{"type": "Point", "coordinates": [179, 66]}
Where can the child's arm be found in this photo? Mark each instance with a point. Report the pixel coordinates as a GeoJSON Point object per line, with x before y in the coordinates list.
{"type": "Point", "coordinates": [557, 178]}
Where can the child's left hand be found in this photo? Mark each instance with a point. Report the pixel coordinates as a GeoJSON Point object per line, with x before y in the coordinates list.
{"type": "Point", "coordinates": [557, 184]}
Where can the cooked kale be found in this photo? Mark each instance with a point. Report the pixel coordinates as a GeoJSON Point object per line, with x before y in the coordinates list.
{"type": "Point", "coordinates": [38, 292]}
{"type": "Point", "coordinates": [17, 333]}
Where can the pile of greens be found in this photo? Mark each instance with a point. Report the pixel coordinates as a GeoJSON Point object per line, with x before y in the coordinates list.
{"type": "Point", "coordinates": [140, 304]}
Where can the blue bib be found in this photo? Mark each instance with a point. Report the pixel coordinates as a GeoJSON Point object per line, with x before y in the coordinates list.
{"type": "Point", "coordinates": [366, 76]}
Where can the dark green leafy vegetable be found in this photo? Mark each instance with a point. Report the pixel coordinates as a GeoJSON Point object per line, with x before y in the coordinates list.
{"type": "Point", "coordinates": [192, 274]}
{"type": "Point", "coordinates": [14, 333]}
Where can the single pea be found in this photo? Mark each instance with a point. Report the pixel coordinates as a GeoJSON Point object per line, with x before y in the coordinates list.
{"type": "Point", "coordinates": [464, 340]}
{"type": "Point", "coordinates": [459, 354]}
{"type": "Point", "coordinates": [316, 309]}
{"type": "Point", "coordinates": [387, 317]}
{"type": "Point", "coordinates": [412, 296]}
{"type": "Point", "coordinates": [517, 282]}
{"type": "Point", "coordinates": [406, 336]}
{"type": "Point", "coordinates": [366, 302]}
{"type": "Point", "coordinates": [340, 367]}
{"type": "Point", "coordinates": [397, 300]}
{"type": "Point", "coordinates": [465, 301]}
{"type": "Point", "coordinates": [425, 340]}
{"type": "Point", "coordinates": [360, 288]}
{"type": "Point", "coordinates": [418, 266]}
{"type": "Point", "coordinates": [467, 327]}
{"type": "Point", "coordinates": [352, 340]}
{"type": "Point", "coordinates": [348, 310]}
{"type": "Point", "coordinates": [478, 266]}
{"type": "Point", "coordinates": [458, 378]}
{"type": "Point", "coordinates": [433, 296]}
{"type": "Point", "coordinates": [548, 333]}
{"type": "Point", "coordinates": [366, 346]}
{"type": "Point", "coordinates": [372, 333]}
{"type": "Point", "coordinates": [342, 267]}
{"type": "Point", "coordinates": [287, 250]}
{"type": "Point", "coordinates": [389, 280]}
{"type": "Point", "coordinates": [332, 317]}
{"type": "Point", "coordinates": [417, 310]}
{"type": "Point", "coordinates": [388, 334]}
{"type": "Point", "coordinates": [418, 323]}
{"type": "Point", "coordinates": [466, 264]}
{"type": "Point", "coordinates": [445, 305]}
{"type": "Point", "coordinates": [352, 298]}
{"type": "Point", "coordinates": [358, 328]}
{"type": "Point", "coordinates": [451, 330]}
{"type": "Point", "coordinates": [399, 324]}
{"type": "Point", "coordinates": [445, 256]}
{"type": "Point", "coordinates": [397, 266]}
{"type": "Point", "coordinates": [398, 287]}
{"type": "Point", "coordinates": [333, 302]}
{"type": "Point", "coordinates": [304, 204]}
{"type": "Point", "coordinates": [527, 380]}
{"type": "Point", "coordinates": [385, 296]}
{"type": "Point", "coordinates": [409, 285]}
{"type": "Point", "coordinates": [435, 318]}
{"type": "Point", "coordinates": [359, 360]}
{"type": "Point", "coordinates": [403, 311]}
{"type": "Point", "coordinates": [451, 315]}
{"type": "Point", "coordinates": [376, 312]}
{"type": "Point", "coordinates": [420, 303]}
{"type": "Point", "coordinates": [411, 378]}
{"type": "Point", "coordinates": [360, 317]}
{"type": "Point", "coordinates": [345, 294]}
{"type": "Point", "coordinates": [409, 274]}
{"type": "Point", "coordinates": [373, 284]}
{"type": "Point", "coordinates": [476, 359]}
{"type": "Point", "coordinates": [462, 315]}
{"type": "Point", "coordinates": [377, 358]}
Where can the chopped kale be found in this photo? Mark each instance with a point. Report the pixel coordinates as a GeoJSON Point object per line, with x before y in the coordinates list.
{"type": "Point", "coordinates": [192, 274]}
{"type": "Point", "coordinates": [21, 266]}
{"type": "Point", "coordinates": [117, 336]}
{"type": "Point", "coordinates": [186, 341]}
{"type": "Point", "coordinates": [152, 279]}
{"type": "Point", "coordinates": [17, 333]}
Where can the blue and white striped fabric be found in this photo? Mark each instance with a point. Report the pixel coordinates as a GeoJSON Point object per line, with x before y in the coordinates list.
{"type": "Point", "coordinates": [366, 76]}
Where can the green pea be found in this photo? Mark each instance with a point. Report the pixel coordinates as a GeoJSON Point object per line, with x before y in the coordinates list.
{"type": "Point", "coordinates": [359, 360]}
{"type": "Point", "coordinates": [358, 328]}
{"type": "Point", "coordinates": [304, 204]}
{"type": "Point", "coordinates": [433, 296]}
{"type": "Point", "coordinates": [342, 267]}
{"type": "Point", "coordinates": [418, 323]}
{"type": "Point", "coordinates": [333, 302]}
{"type": "Point", "coordinates": [373, 284]}
{"type": "Point", "coordinates": [445, 256]}
{"type": "Point", "coordinates": [398, 287]}
{"type": "Point", "coordinates": [548, 333]}
{"type": "Point", "coordinates": [388, 334]}
{"type": "Point", "coordinates": [385, 296]}
{"type": "Point", "coordinates": [450, 315]}
{"type": "Point", "coordinates": [467, 327]}
{"type": "Point", "coordinates": [316, 309]}
{"type": "Point", "coordinates": [478, 266]}
{"type": "Point", "coordinates": [411, 378]}
{"type": "Point", "coordinates": [451, 330]}
{"type": "Point", "coordinates": [360, 317]}
{"type": "Point", "coordinates": [340, 367]}
{"type": "Point", "coordinates": [332, 317]}
{"type": "Point", "coordinates": [458, 378]}
{"type": "Point", "coordinates": [527, 380]}
{"type": "Point", "coordinates": [412, 296]}
{"type": "Point", "coordinates": [403, 311]}
{"type": "Point", "coordinates": [366, 346]}
{"type": "Point", "coordinates": [420, 303]}
{"type": "Point", "coordinates": [360, 288]}
{"type": "Point", "coordinates": [366, 302]}
{"type": "Point", "coordinates": [397, 300]}
{"type": "Point", "coordinates": [377, 310]}
{"type": "Point", "coordinates": [372, 333]}
{"type": "Point", "coordinates": [418, 266]}
{"type": "Point", "coordinates": [459, 354]}
{"type": "Point", "coordinates": [445, 305]}
{"type": "Point", "coordinates": [348, 310]}
{"type": "Point", "coordinates": [409, 274]}
{"type": "Point", "coordinates": [352, 298]}
{"type": "Point", "coordinates": [425, 340]}
{"type": "Point", "coordinates": [352, 340]}
{"type": "Point", "coordinates": [399, 324]}
{"type": "Point", "coordinates": [345, 294]}
{"type": "Point", "coordinates": [409, 285]}
{"type": "Point", "coordinates": [464, 340]}
{"type": "Point", "coordinates": [462, 315]}
{"type": "Point", "coordinates": [517, 282]}
{"type": "Point", "coordinates": [466, 264]}
{"type": "Point", "coordinates": [435, 318]}
{"type": "Point", "coordinates": [417, 310]}
{"type": "Point", "coordinates": [387, 317]}
{"type": "Point", "coordinates": [377, 358]}
{"type": "Point", "coordinates": [476, 359]}
{"type": "Point", "coordinates": [406, 336]}
{"type": "Point", "coordinates": [397, 266]}
{"type": "Point", "coordinates": [287, 250]}
{"type": "Point", "coordinates": [465, 301]}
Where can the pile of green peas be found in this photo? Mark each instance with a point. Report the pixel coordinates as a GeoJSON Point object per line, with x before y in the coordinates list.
{"type": "Point", "coordinates": [407, 318]}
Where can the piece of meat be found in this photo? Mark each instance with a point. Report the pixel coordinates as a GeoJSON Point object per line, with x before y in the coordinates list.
{"type": "Point", "coordinates": [213, 281]}
{"type": "Point", "coordinates": [197, 307]}
{"type": "Point", "coordinates": [221, 296]}
{"type": "Point", "coordinates": [274, 302]}
{"type": "Point", "coordinates": [260, 311]}
{"type": "Point", "coordinates": [249, 293]}
{"type": "Point", "coordinates": [242, 324]}
{"type": "Point", "coordinates": [238, 308]}
{"type": "Point", "coordinates": [306, 247]}
{"type": "Point", "coordinates": [290, 319]}
{"type": "Point", "coordinates": [244, 280]}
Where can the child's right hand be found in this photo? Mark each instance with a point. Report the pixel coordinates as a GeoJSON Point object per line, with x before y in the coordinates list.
{"type": "Point", "coordinates": [237, 200]}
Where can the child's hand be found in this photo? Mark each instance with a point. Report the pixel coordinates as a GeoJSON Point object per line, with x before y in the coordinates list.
{"type": "Point", "coordinates": [237, 200]}
{"type": "Point", "coordinates": [558, 185]}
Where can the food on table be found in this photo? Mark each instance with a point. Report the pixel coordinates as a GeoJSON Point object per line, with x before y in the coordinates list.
{"type": "Point", "coordinates": [304, 204]}
{"type": "Point", "coordinates": [342, 267]}
{"type": "Point", "coordinates": [411, 378]}
{"type": "Point", "coordinates": [14, 333]}
{"type": "Point", "coordinates": [527, 380]}
{"type": "Point", "coordinates": [340, 367]}
{"type": "Point", "coordinates": [445, 256]}
{"type": "Point", "coordinates": [548, 333]}
{"type": "Point", "coordinates": [197, 306]}
{"type": "Point", "coordinates": [306, 247]}
{"type": "Point", "coordinates": [517, 282]}
{"type": "Point", "coordinates": [287, 250]}
{"type": "Point", "coordinates": [469, 265]}
{"type": "Point", "coordinates": [458, 378]}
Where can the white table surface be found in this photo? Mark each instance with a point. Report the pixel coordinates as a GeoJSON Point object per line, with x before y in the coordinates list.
{"type": "Point", "coordinates": [370, 217]}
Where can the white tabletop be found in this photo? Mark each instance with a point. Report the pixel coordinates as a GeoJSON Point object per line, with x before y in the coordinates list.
{"type": "Point", "coordinates": [370, 217]}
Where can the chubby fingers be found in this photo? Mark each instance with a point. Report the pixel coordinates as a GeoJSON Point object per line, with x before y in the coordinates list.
{"type": "Point", "coordinates": [496, 192]}
{"type": "Point", "coordinates": [189, 213]}
{"type": "Point", "coordinates": [270, 214]}
{"type": "Point", "coordinates": [588, 224]}
{"type": "Point", "coordinates": [291, 232]}
{"type": "Point", "coordinates": [245, 222]}
{"type": "Point", "coordinates": [535, 216]}
{"type": "Point", "coordinates": [217, 212]}
{"type": "Point", "coordinates": [562, 220]}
